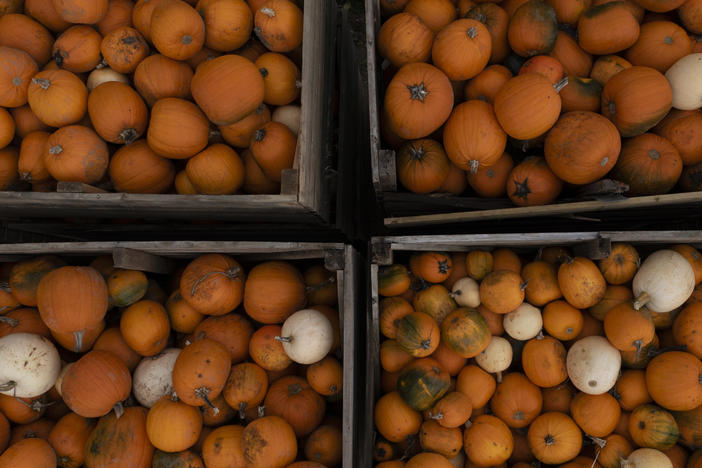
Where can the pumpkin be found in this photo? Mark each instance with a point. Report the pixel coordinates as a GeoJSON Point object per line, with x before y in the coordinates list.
{"type": "Point", "coordinates": [452, 410]}
{"type": "Point", "coordinates": [173, 426]}
{"type": "Point", "coordinates": [582, 147]}
{"type": "Point", "coordinates": [292, 398]}
{"type": "Point", "coordinates": [554, 438]}
{"type": "Point", "coordinates": [418, 334]}
{"type": "Point", "coordinates": [689, 13]}
{"type": "Point", "coordinates": [393, 280]}
{"type": "Point", "coordinates": [445, 441]}
{"type": "Point", "coordinates": [23, 33]}
{"type": "Point", "coordinates": [392, 309]}
{"type": "Point", "coordinates": [157, 77]}
{"type": "Point", "coordinates": [145, 327]}
{"type": "Point", "coordinates": [544, 361]}
{"type": "Point", "coordinates": [422, 383]}
{"type": "Point", "coordinates": [557, 398]}
{"type": "Point", "coordinates": [487, 83]}
{"type": "Point", "coordinates": [685, 328]}
{"type": "Point", "coordinates": [476, 384]}
{"type": "Point", "coordinates": [636, 99]}
{"type": "Point", "coordinates": [76, 154]}
{"type": "Point", "coordinates": [165, 135]}
{"type": "Point", "coordinates": [200, 372]}
{"type": "Point", "coordinates": [628, 329]}
{"type": "Point", "coordinates": [462, 49]}
{"type": "Point", "coordinates": [266, 351]}
{"type": "Point", "coordinates": [117, 112]}
{"type": "Point", "coordinates": [523, 323]}
{"type": "Point", "coordinates": [686, 93]}
{"type": "Point", "coordinates": [568, 12]}
{"type": "Point", "coordinates": [25, 276]}
{"type": "Point", "coordinates": [255, 180]}
{"type": "Point", "coordinates": [544, 65]}
{"type": "Point", "coordinates": [664, 281]}
{"type": "Point", "coordinates": [646, 458]}
{"type": "Point", "coordinates": [659, 6]}
{"type": "Point", "coordinates": [278, 25]}
{"type": "Point", "coordinates": [597, 415]}
{"type": "Point", "coordinates": [673, 380]}
{"type": "Point", "coordinates": [23, 320]}
{"type": "Point", "coordinates": [516, 401]}
{"type": "Point", "coordinates": [26, 121]}
{"type": "Point", "coordinates": [496, 21]}
{"type": "Point", "coordinates": [246, 387]}
{"type": "Point", "coordinates": [307, 336]}
{"type": "Point", "coordinates": [404, 38]}
{"type": "Point", "coordinates": [422, 166]}
{"type": "Point", "coordinates": [290, 116]}
{"type": "Point", "coordinates": [57, 97]}
{"type": "Point", "coordinates": [326, 376]}
{"type": "Point", "coordinates": [79, 343]}
{"type": "Point", "coordinates": [273, 148]}
{"type": "Point", "coordinates": [691, 178]}
{"type": "Point", "coordinates": [178, 460]}
{"type": "Point", "coordinates": [119, 13]}
{"type": "Point", "coordinates": [274, 290]}
{"type": "Point", "coordinates": [448, 359]}
{"type": "Point", "coordinates": [394, 419]}
{"type": "Point", "coordinates": [77, 49]}
{"type": "Point", "coordinates": [465, 150]}
{"type": "Point", "coordinates": [651, 426]}
{"type": "Point", "coordinates": [68, 438]}
{"type": "Point", "coordinates": [218, 170]}
{"type": "Point", "coordinates": [223, 446]}
{"type": "Point", "coordinates": [502, 291]}
{"type": "Point", "coordinates": [478, 264]}
{"type": "Point", "coordinates": [269, 441]}
{"type": "Point", "coordinates": [30, 164]}
{"type": "Point", "coordinates": [176, 30]}
{"type": "Point", "coordinates": [496, 357]}
{"type": "Point", "coordinates": [228, 25]}
{"type": "Point", "coordinates": [46, 14]}
{"type": "Point", "coordinates": [562, 321]}
{"type": "Point", "coordinates": [435, 301]}
{"type": "Point", "coordinates": [22, 410]}
{"type": "Point", "coordinates": [213, 284]}
{"type": "Point", "coordinates": [660, 45]}
{"type": "Point", "coordinates": [153, 377]}
{"type": "Point", "coordinates": [607, 66]}
{"type": "Point", "coordinates": [533, 29]}
{"type": "Point", "coordinates": [593, 365]}
{"type": "Point", "coordinates": [607, 29]}
{"type": "Point", "coordinates": [239, 134]}
{"type": "Point", "coordinates": [389, 7]}
{"type": "Point", "coordinates": [25, 374]}
{"type": "Point", "coordinates": [611, 449]}
{"type": "Point", "coordinates": [491, 181]}
{"type": "Point", "coordinates": [281, 79]}
{"type": "Point", "coordinates": [123, 49]}
{"type": "Point", "coordinates": [10, 6]}
{"type": "Point", "coordinates": [574, 60]}
{"type": "Point", "coordinates": [532, 183]}
{"type": "Point", "coordinates": [141, 16]}
{"type": "Point", "coordinates": [613, 296]}
{"type": "Point", "coordinates": [631, 390]}
{"type": "Point", "coordinates": [621, 264]}
{"type": "Point", "coordinates": [541, 283]}
{"type": "Point", "coordinates": [689, 427]}
{"type": "Point", "coordinates": [433, 267]}
{"type": "Point", "coordinates": [81, 11]}
{"type": "Point", "coordinates": [488, 441]}
{"type": "Point", "coordinates": [683, 130]}
{"type": "Point", "coordinates": [232, 331]}
{"type": "Point", "coordinates": [32, 452]}
{"type": "Point", "coordinates": [95, 383]}
{"type": "Point", "coordinates": [418, 100]}
{"type": "Point", "coordinates": [135, 168]}
{"type": "Point", "coordinates": [649, 164]}
{"type": "Point", "coordinates": [321, 286]}
{"type": "Point", "coordinates": [324, 446]}
{"type": "Point", "coordinates": [581, 282]}
{"type": "Point", "coordinates": [527, 106]}
{"type": "Point", "coordinates": [111, 340]}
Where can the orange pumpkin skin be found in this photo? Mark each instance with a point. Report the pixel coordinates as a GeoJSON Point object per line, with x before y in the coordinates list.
{"type": "Point", "coordinates": [613, 296]}
{"type": "Point", "coordinates": [57, 97]}
{"type": "Point", "coordinates": [636, 99]}
{"type": "Point", "coordinates": [554, 438]}
{"type": "Point", "coordinates": [246, 387]}
{"type": "Point", "coordinates": [23, 33]}
{"type": "Point", "coordinates": [621, 265]}
{"type": "Point", "coordinates": [326, 376]}
{"type": "Point", "coordinates": [581, 282]}
{"type": "Point", "coordinates": [31, 165]}
{"type": "Point", "coordinates": [123, 49]}
{"type": "Point", "coordinates": [27, 122]}
{"type": "Point", "coordinates": [487, 83]}
{"type": "Point", "coordinates": [607, 66]}
{"type": "Point", "coordinates": [517, 401]}
{"type": "Point", "coordinates": [392, 309]}
{"type": "Point", "coordinates": [293, 399]}
{"type": "Point", "coordinates": [269, 441]}
{"type": "Point", "coordinates": [607, 29]}
{"type": "Point", "coordinates": [488, 441]}
{"type": "Point", "coordinates": [544, 361]}
{"type": "Point", "coordinates": [278, 25]}
{"type": "Point", "coordinates": [533, 29]}
{"type": "Point", "coordinates": [496, 20]}
{"type": "Point", "coordinates": [213, 284]}
{"type": "Point", "coordinates": [274, 290]}
{"type": "Point", "coordinates": [145, 327]}
{"type": "Point", "coordinates": [141, 16]}
{"type": "Point", "coordinates": [448, 359]}
{"type": "Point", "coordinates": [76, 154]}
{"type": "Point", "coordinates": [81, 11]}
{"type": "Point", "coordinates": [541, 283]}
{"type": "Point", "coordinates": [691, 16]}
{"type": "Point", "coordinates": [95, 383]}
{"type": "Point", "coordinates": [218, 170]}
{"type": "Point", "coordinates": [77, 49]}
{"type": "Point", "coordinates": [228, 25]}
{"type": "Point", "coordinates": [24, 320]}
{"type": "Point", "coordinates": [117, 112]}
{"type": "Point", "coordinates": [673, 380]}
{"type": "Point", "coordinates": [201, 371]}
{"type": "Point", "coordinates": [119, 13]}
{"type": "Point", "coordinates": [418, 100]}
{"type": "Point", "coordinates": [581, 94]}
{"type": "Point", "coordinates": [68, 438]}
{"type": "Point", "coordinates": [478, 264]}
{"type": "Point", "coordinates": [32, 452]}
{"type": "Point", "coordinates": [79, 343]}
{"type": "Point", "coordinates": [418, 334]}
{"type": "Point", "coordinates": [660, 6]}
{"type": "Point", "coordinates": [165, 134]}
{"type": "Point", "coordinates": [407, 420]}
{"type": "Point", "coordinates": [597, 415]}
{"type": "Point", "coordinates": [38, 429]}
{"type": "Point", "coordinates": [630, 390]}
{"type": "Point", "coordinates": [453, 410]}
{"type": "Point", "coordinates": [533, 183]}
{"type": "Point", "coordinates": [22, 410]}
{"type": "Point", "coordinates": [684, 130]}
{"type": "Point", "coordinates": [502, 291]}
{"type": "Point", "coordinates": [568, 12]}
{"type": "Point", "coordinates": [273, 148]}
{"type": "Point", "coordinates": [473, 137]}
{"type": "Point", "coordinates": [527, 106]}
{"type": "Point", "coordinates": [575, 61]}
{"type": "Point", "coordinates": [651, 426]}
{"type": "Point", "coordinates": [111, 340]}
{"type": "Point", "coordinates": [176, 30]}
{"type": "Point", "coordinates": [649, 164]}
{"type": "Point", "coordinates": [544, 65]}
{"type": "Point", "coordinates": [455, 182]}
{"type": "Point", "coordinates": [173, 426]}
{"type": "Point", "coordinates": [157, 77]}
{"type": "Point", "coordinates": [445, 441]}
{"type": "Point", "coordinates": [462, 49]}
{"type": "Point", "coordinates": [222, 447]}
{"type": "Point", "coordinates": [506, 259]}
{"type": "Point", "coordinates": [135, 168]}
{"type": "Point", "coordinates": [239, 134]}
{"type": "Point", "coordinates": [8, 167]}
{"type": "Point", "coordinates": [557, 398]}
{"type": "Point", "coordinates": [266, 351]}
{"type": "Point", "coordinates": [7, 128]}
{"type": "Point", "coordinates": [46, 14]}
{"type": "Point", "coordinates": [281, 79]}
{"type": "Point", "coordinates": [232, 331]}
{"type": "Point", "coordinates": [686, 329]}
{"type": "Point", "coordinates": [324, 446]}
{"type": "Point", "coordinates": [25, 277]}
{"type": "Point", "coordinates": [404, 38]}
{"type": "Point", "coordinates": [491, 181]}
{"type": "Point", "coordinates": [660, 45]}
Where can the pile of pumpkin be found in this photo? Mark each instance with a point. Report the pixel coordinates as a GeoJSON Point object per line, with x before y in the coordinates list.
{"type": "Point", "coordinates": [574, 90]}
{"type": "Point", "coordinates": [102, 367]}
{"type": "Point", "coordinates": [494, 359]}
{"type": "Point", "coordinates": [149, 96]}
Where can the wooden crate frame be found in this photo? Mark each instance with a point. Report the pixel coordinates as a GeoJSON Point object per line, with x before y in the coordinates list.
{"type": "Point", "coordinates": [304, 197]}
{"type": "Point", "coordinates": [157, 257]}
{"type": "Point", "coordinates": [429, 210]}
{"type": "Point", "coordinates": [595, 245]}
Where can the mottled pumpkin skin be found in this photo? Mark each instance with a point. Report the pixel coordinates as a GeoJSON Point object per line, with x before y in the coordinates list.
{"type": "Point", "coordinates": [651, 426]}
{"type": "Point", "coordinates": [25, 277]}
{"type": "Point", "coordinates": [690, 427]}
{"type": "Point", "coordinates": [418, 334]}
{"type": "Point", "coordinates": [422, 383]}
{"type": "Point", "coordinates": [434, 301]}
{"type": "Point", "coordinates": [116, 443]}
{"type": "Point", "coordinates": [185, 459]}
{"type": "Point", "coordinates": [393, 280]}
{"type": "Point", "coordinates": [466, 331]}
{"type": "Point", "coordinates": [126, 286]}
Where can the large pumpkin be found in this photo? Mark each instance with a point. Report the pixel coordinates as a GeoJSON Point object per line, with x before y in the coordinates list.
{"type": "Point", "coordinates": [266, 351]}
{"type": "Point", "coordinates": [491, 181]}
{"type": "Point", "coordinates": [544, 361]}
{"type": "Point", "coordinates": [532, 182]}
{"type": "Point", "coordinates": [674, 380]}
{"type": "Point", "coordinates": [462, 49]}
{"type": "Point", "coordinates": [232, 331]}
{"type": "Point", "coordinates": [274, 290]}
{"type": "Point", "coordinates": [57, 97]}
{"type": "Point", "coordinates": [213, 284]}
{"type": "Point", "coordinates": [422, 383]}
{"type": "Point", "coordinates": [607, 29]}
{"type": "Point", "coordinates": [281, 79]}
{"type": "Point", "coordinates": [178, 129]}
{"type": "Point", "coordinates": [686, 328]}
{"type": "Point", "coordinates": [597, 415]}
{"type": "Point", "coordinates": [145, 328]}
{"type": "Point", "coordinates": [135, 168]}
{"type": "Point", "coordinates": [541, 282]}
{"type": "Point", "coordinates": [628, 329]}
{"type": "Point", "coordinates": [488, 441]}
{"type": "Point", "coordinates": [218, 170]}
{"type": "Point", "coordinates": [293, 399]}
{"type": "Point", "coordinates": [117, 112]}
{"type": "Point", "coordinates": [115, 441]}
{"type": "Point", "coordinates": [660, 45]}
{"type": "Point", "coordinates": [533, 29]}
{"type": "Point", "coordinates": [17, 68]}
{"type": "Point", "coordinates": [157, 77]}
{"type": "Point", "coordinates": [649, 164]}
{"type": "Point", "coordinates": [554, 438]}
{"type": "Point", "coordinates": [621, 264]}
{"type": "Point", "coordinates": [68, 438]}
{"type": "Point", "coordinates": [76, 154]}
{"type": "Point", "coordinates": [502, 291]}
{"type": "Point", "coordinates": [404, 38]}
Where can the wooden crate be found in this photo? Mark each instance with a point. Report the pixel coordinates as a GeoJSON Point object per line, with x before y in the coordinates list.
{"type": "Point", "coordinates": [595, 245]}
{"type": "Point", "coordinates": [305, 193]}
{"type": "Point", "coordinates": [600, 202]}
{"type": "Point", "coordinates": [159, 257]}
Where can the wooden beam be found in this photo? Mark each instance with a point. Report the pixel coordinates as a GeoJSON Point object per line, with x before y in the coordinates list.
{"type": "Point", "coordinates": [594, 249]}
{"type": "Point", "coordinates": [131, 259]}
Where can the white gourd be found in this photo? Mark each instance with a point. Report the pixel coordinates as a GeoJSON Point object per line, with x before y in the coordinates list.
{"type": "Point", "coordinates": [59, 379]}
{"type": "Point", "coordinates": [307, 336]}
{"type": "Point", "coordinates": [289, 116]}
{"type": "Point", "coordinates": [593, 365]}
{"type": "Point", "coordinates": [29, 365]}
{"type": "Point", "coordinates": [647, 458]}
{"type": "Point", "coordinates": [684, 78]}
{"type": "Point", "coordinates": [153, 377]}
{"type": "Point", "coordinates": [466, 292]}
{"type": "Point", "coordinates": [664, 281]}
{"type": "Point", "coordinates": [496, 357]}
{"type": "Point", "coordinates": [103, 75]}
{"type": "Point", "coordinates": [523, 323]}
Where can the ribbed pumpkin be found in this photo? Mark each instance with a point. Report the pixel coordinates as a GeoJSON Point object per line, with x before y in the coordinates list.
{"type": "Point", "coordinates": [554, 438]}
{"type": "Point", "coordinates": [172, 425]}
{"type": "Point", "coordinates": [26, 121]}
{"type": "Point", "coordinates": [135, 168]}
{"type": "Point", "coordinates": [607, 29]}
{"type": "Point", "coordinates": [472, 136]}
{"type": "Point", "coordinates": [177, 129]}
{"type": "Point", "coordinates": [68, 438]}
{"type": "Point", "coordinates": [453, 410]}
{"type": "Point", "coordinates": [95, 383]}
{"type": "Point", "coordinates": [176, 30]}
{"type": "Point", "coordinates": [418, 100]}
{"type": "Point", "coordinates": [278, 25]}
{"type": "Point", "coordinates": [541, 282]}
{"type": "Point", "coordinates": [581, 282]}
{"type": "Point", "coordinates": [232, 331]}
{"type": "Point", "coordinates": [23, 33]}
{"type": "Point", "coordinates": [686, 328]}
{"type": "Point", "coordinates": [281, 79]}
{"type": "Point", "coordinates": [239, 134]}
{"type": "Point", "coordinates": [544, 65]}
{"type": "Point", "coordinates": [674, 380]}
{"type": "Point", "coordinates": [123, 49]}
{"type": "Point", "coordinates": [29, 453]}
{"type": "Point", "coordinates": [269, 441]}
{"type": "Point", "coordinates": [119, 13]}
{"type": "Point", "coordinates": [532, 182]}
{"type": "Point", "coordinates": [141, 16]}
{"type": "Point", "coordinates": [544, 361]}
{"type": "Point", "coordinates": [690, 16]}
{"type": "Point", "coordinates": [25, 276]}
{"type": "Point", "coordinates": [292, 399]}
{"type": "Point", "coordinates": [111, 340]}
{"type": "Point", "coordinates": [575, 61]}
{"type": "Point", "coordinates": [660, 45]}
{"type": "Point", "coordinates": [466, 332]}
{"type": "Point", "coordinates": [444, 441]}
{"type": "Point", "coordinates": [491, 181]}
{"type": "Point", "coordinates": [435, 14]}
{"type": "Point", "coordinates": [57, 97]}
{"type": "Point", "coordinates": [597, 415]}
{"type": "Point", "coordinates": [651, 426]}
{"type": "Point", "coordinates": [684, 130]}
{"type": "Point", "coordinates": [649, 164]}
{"type": "Point", "coordinates": [273, 147]}
{"type": "Point", "coordinates": [636, 99]}
{"type": "Point", "coordinates": [213, 284]}
{"type": "Point", "coordinates": [218, 170]}
{"type": "Point", "coordinates": [418, 334]}
{"type": "Point", "coordinates": [79, 343]}
{"type": "Point", "coordinates": [77, 49]}
{"type": "Point", "coordinates": [117, 112]}
{"type": "Point", "coordinates": [496, 21]}
{"type": "Point", "coordinates": [433, 267]}
{"type": "Point", "coordinates": [246, 387]}
{"type": "Point", "coordinates": [76, 154]}
{"type": "Point", "coordinates": [145, 327]}
{"type": "Point", "coordinates": [16, 71]}
{"type": "Point", "coordinates": [487, 83]}
{"type": "Point", "coordinates": [422, 166]}
{"type": "Point", "coordinates": [533, 29]}
{"type": "Point", "coordinates": [527, 106]}
{"type": "Point", "coordinates": [157, 77]}
{"type": "Point", "coordinates": [274, 290]}
{"type": "Point", "coordinates": [488, 441]}
{"type": "Point", "coordinates": [621, 265]}
{"type": "Point", "coordinates": [404, 38]}
{"type": "Point", "coordinates": [266, 351]}
{"type": "Point", "coordinates": [516, 401]}
{"type": "Point", "coordinates": [228, 24]}
{"type": "Point", "coordinates": [462, 49]}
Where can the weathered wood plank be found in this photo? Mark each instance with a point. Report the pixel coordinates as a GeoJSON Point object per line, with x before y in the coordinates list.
{"type": "Point", "coordinates": [372, 9]}
{"type": "Point", "coordinates": [77, 187]}
{"type": "Point", "coordinates": [132, 259]}
{"type": "Point", "coordinates": [594, 249]}
{"type": "Point", "coordinates": [348, 297]}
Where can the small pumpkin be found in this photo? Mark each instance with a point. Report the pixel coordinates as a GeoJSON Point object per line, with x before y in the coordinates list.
{"type": "Point", "coordinates": [562, 320]}
{"type": "Point", "coordinates": [581, 282]}
{"type": "Point", "coordinates": [557, 398]}
{"type": "Point", "coordinates": [517, 401]}
{"type": "Point", "coordinates": [684, 130]}
{"type": "Point", "coordinates": [660, 45]}
{"type": "Point", "coordinates": [23, 320]}
{"type": "Point", "coordinates": [173, 426]}
{"type": "Point", "coordinates": [218, 170]}
{"type": "Point", "coordinates": [111, 340]}
{"type": "Point", "coordinates": [664, 281]}
{"type": "Point", "coordinates": [496, 20]}
{"type": "Point", "coordinates": [228, 25]}
{"type": "Point", "coordinates": [651, 426]}
{"type": "Point", "coordinates": [686, 328]}
{"type": "Point", "coordinates": [487, 83]}
{"type": "Point", "coordinates": [30, 164]}
{"type": "Point", "coordinates": [213, 284]}
{"type": "Point", "coordinates": [462, 49]}
{"type": "Point", "coordinates": [532, 29]}
{"type": "Point", "coordinates": [239, 134]}
{"type": "Point", "coordinates": [491, 181]}
{"type": "Point", "coordinates": [607, 66]}
{"type": "Point", "coordinates": [544, 361]}
{"type": "Point", "coordinates": [81, 11]}
{"type": "Point", "coordinates": [76, 154]}
{"type": "Point", "coordinates": [68, 438]}
{"type": "Point", "coordinates": [46, 14]}
{"type": "Point", "coordinates": [544, 65]}
{"type": "Point", "coordinates": [266, 351]}
{"type": "Point", "coordinates": [645, 458]}
{"type": "Point", "coordinates": [119, 13]}
{"type": "Point", "coordinates": [395, 419]}
{"type": "Point", "coordinates": [176, 29]}
{"type": "Point", "coordinates": [597, 415]}
{"type": "Point", "coordinates": [686, 94]}
{"type": "Point", "coordinates": [273, 147]}
{"type": "Point", "coordinates": [166, 135]}
{"type": "Point", "coordinates": [422, 383]}
{"type": "Point", "coordinates": [153, 377]}
{"type": "Point", "coordinates": [673, 380]}
{"type": "Point", "coordinates": [232, 331]}
{"type": "Point", "coordinates": [32, 452]}
{"type": "Point", "coordinates": [541, 283]}
{"type": "Point", "coordinates": [325, 376]}
{"type": "Point", "coordinates": [145, 327]}
{"type": "Point", "coordinates": [392, 309]}
{"type": "Point", "coordinates": [445, 441]}
{"type": "Point", "coordinates": [649, 165]}
{"type": "Point", "coordinates": [278, 24]}
{"type": "Point", "coordinates": [466, 332]}
{"type": "Point", "coordinates": [117, 112]}
{"type": "Point", "coordinates": [478, 264]}
{"type": "Point", "coordinates": [554, 438]}
{"type": "Point", "coordinates": [26, 121]}
{"type": "Point", "coordinates": [307, 336]}
{"type": "Point", "coordinates": [57, 97]}
{"type": "Point", "coordinates": [157, 77]}
{"type": "Point", "coordinates": [292, 398]}
{"type": "Point", "coordinates": [575, 61]}
{"type": "Point", "coordinates": [200, 372]}
{"type": "Point", "coordinates": [422, 166]}
{"type": "Point", "coordinates": [452, 410]}
{"type": "Point", "coordinates": [77, 49]}
{"type": "Point", "coordinates": [607, 29]}
{"type": "Point", "coordinates": [532, 182]}
{"type": "Point", "coordinates": [488, 441]}
{"type": "Point", "coordinates": [418, 334]}
{"type": "Point", "coordinates": [621, 264]}
{"type": "Point", "coordinates": [22, 32]}
{"type": "Point", "coordinates": [25, 276]}
{"type": "Point", "coordinates": [593, 365]}
{"type": "Point", "coordinates": [27, 374]}
{"type": "Point", "coordinates": [502, 291]}
{"type": "Point", "coordinates": [404, 38]}
{"type": "Point", "coordinates": [433, 267]}
{"type": "Point", "coordinates": [279, 446]}
{"type": "Point", "coordinates": [448, 359]}
{"type": "Point", "coordinates": [123, 49]}
{"type": "Point", "coordinates": [135, 168]}
{"type": "Point", "coordinates": [478, 385]}
{"type": "Point", "coordinates": [274, 290]}
{"type": "Point", "coordinates": [523, 323]}
{"type": "Point", "coordinates": [281, 79]}
{"type": "Point", "coordinates": [496, 357]}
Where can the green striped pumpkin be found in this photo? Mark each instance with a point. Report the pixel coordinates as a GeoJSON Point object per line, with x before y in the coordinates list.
{"type": "Point", "coordinates": [418, 334]}
{"type": "Point", "coordinates": [653, 427]}
{"type": "Point", "coordinates": [422, 383]}
{"type": "Point", "coordinates": [466, 331]}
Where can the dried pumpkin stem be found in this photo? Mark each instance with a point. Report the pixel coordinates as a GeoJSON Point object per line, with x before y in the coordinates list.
{"type": "Point", "coordinates": [474, 165]}
{"type": "Point", "coordinates": [549, 440]}
{"type": "Point", "coordinates": [498, 376]}
{"type": "Point", "coordinates": [242, 410]}
{"type": "Point", "coordinates": [13, 322]}
{"type": "Point", "coordinates": [119, 409]}
{"type": "Point", "coordinates": [78, 341]}
{"type": "Point", "coordinates": [8, 386]}
{"type": "Point", "coordinates": [202, 393]}
{"type": "Point", "coordinates": [129, 135]}
{"type": "Point", "coordinates": [26, 176]}
{"type": "Point", "coordinates": [268, 12]}
{"type": "Point", "coordinates": [639, 346]}
{"type": "Point", "coordinates": [283, 339]}
{"type": "Point", "coordinates": [58, 58]}
{"type": "Point", "coordinates": [418, 91]}
{"type": "Point", "coordinates": [260, 134]}
{"type": "Point", "coordinates": [101, 65]}
{"type": "Point", "coordinates": [231, 273]}
{"type": "Point", "coordinates": [601, 443]}
{"type": "Point", "coordinates": [42, 82]}
{"type": "Point", "coordinates": [561, 84]}
{"type": "Point", "coordinates": [263, 71]}
{"type": "Point", "coordinates": [261, 410]}
{"type": "Point", "coordinates": [472, 32]}
{"type": "Point", "coordinates": [4, 286]}
{"type": "Point", "coordinates": [438, 416]}
{"type": "Point", "coordinates": [641, 300]}
{"type": "Point", "coordinates": [57, 149]}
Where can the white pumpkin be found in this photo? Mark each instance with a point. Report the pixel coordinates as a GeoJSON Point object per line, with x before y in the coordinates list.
{"type": "Point", "coordinates": [307, 336]}
{"type": "Point", "coordinates": [523, 323]}
{"type": "Point", "coordinates": [647, 458]}
{"type": "Point", "coordinates": [593, 365]}
{"type": "Point", "coordinates": [59, 379]}
{"type": "Point", "coordinates": [466, 292]}
{"type": "Point", "coordinates": [30, 365]}
{"type": "Point", "coordinates": [289, 116]}
{"type": "Point", "coordinates": [103, 75]}
{"type": "Point", "coordinates": [153, 377]}
{"type": "Point", "coordinates": [684, 78]}
{"type": "Point", "coordinates": [664, 281]}
{"type": "Point", "coordinates": [497, 356]}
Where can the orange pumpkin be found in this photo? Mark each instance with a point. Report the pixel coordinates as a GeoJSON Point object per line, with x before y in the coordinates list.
{"type": "Point", "coordinates": [32, 452]}
{"type": "Point", "coordinates": [246, 387]}
{"type": "Point", "coordinates": [218, 170]}
{"type": "Point", "coordinates": [31, 165]}
{"type": "Point", "coordinates": [452, 411]}
{"type": "Point", "coordinates": [653, 427]}
{"type": "Point", "coordinates": [462, 49]}
{"type": "Point", "coordinates": [575, 61]}
{"type": "Point", "coordinates": [660, 45]}
{"type": "Point", "coordinates": [123, 49]}
{"type": "Point", "coordinates": [22, 410]}
{"type": "Point", "coordinates": [46, 14]}
{"type": "Point", "coordinates": [273, 148]}
{"type": "Point", "coordinates": [321, 286]}
{"type": "Point", "coordinates": [324, 446]}
{"type": "Point", "coordinates": [607, 29]}
{"type": "Point", "coordinates": [597, 415]}
{"type": "Point", "coordinates": [691, 178]}
{"type": "Point", "coordinates": [81, 342]}
{"type": "Point", "coordinates": [496, 21]}
{"type": "Point", "coordinates": [544, 65]}
{"type": "Point", "coordinates": [269, 441]}
{"type": "Point", "coordinates": [607, 66]}
{"type": "Point", "coordinates": [239, 134]}
{"type": "Point", "coordinates": [111, 340]}
{"type": "Point", "coordinates": [649, 164]}
{"type": "Point", "coordinates": [544, 361]}
{"type": "Point", "coordinates": [506, 259]}
{"type": "Point", "coordinates": [57, 97]}
{"type": "Point", "coordinates": [266, 351]}
{"type": "Point", "coordinates": [568, 12]}
{"type": "Point", "coordinates": [281, 79]}
{"type": "Point", "coordinates": [621, 265]}
{"type": "Point", "coordinates": [135, 168]}
{"type": "Point", "coordinates": [691, 16]}
{"type": "Point", "coordinates": [478, 264]}
{"type": "Point", "coordinates": [223, 446]}
{"type": "Point", "coordinates": [435, 14]}
{"type": "Point", "coordinates": [228, 24]}
{"type": "Point", "coordinates": [533, 29]}
{"type": "Point", "coordinates": [183, 317]}
{"type": "Point", "coordinates": [581, 282]}
{"type": "Point", "coordinates": [502, 291]}
{"type": "Point", "coordinates": [392, 309]}
{"type": "Point", "coordinates": [487, 83]}
{"type": "Point", "coordinates": [23, 320]}
{"type": "Point", "coordinates": [25, 276]}
{"type": "Point", "coordinates": [491, 181]}
{"type": "Point", "coordinates": [659, 6]}
{"type": "Point", "coordinates": [176, 30]}
{"type": "Point", "coordinates": [141, 16]}
{"type": "Point", "coordinates": [77, 49]}
{"type": "Point", "coordinates": [684, 130]}
{"type": "Point", "coordinates": [213, 284]}
{"type": "Point", "coordinates": [278, 25]}
{"type": "Point", "coordinates": [389, 7]}
{"type": "Point", "coordinates": [554, 438]}
{"type": "Point", "coordinates": [157, 77]}
{"type": "Point", "coordinates": [404, 38]}
{"type": "Point", "coordinates": [76, 154]}
{"type": "Point", "coordinates": [145, 327]}
{"type": "Point", "coordinates": [232, 331]}
{"type": "Point", "coordinates": [561, 320]}
{"type": "Point", "coordinates": [418, 100]}
{"type": "Point", "coordinates": [488, 441]}
{"type": "Point", "coordinates": [200, 372]}
{"type": "Point", "coordinates": [23, 33]}
{"type": "Point", "coordinates": [274, 290]}
{"type": "Point", "coordinates": [448, 359]}
{"type": "Point", "coordinates": [517, 401]}
{"type": "Point", "coordinates": [581, 94]}
{"type": "Point", "coordinates": [325, 376]}
{"type": "Point", "coordinates": [613, 296]}
{"type": "Point", "coordinates": [630, 390]}
{"type": "Point", "coordinates": [445, 441]}
{"type": "Point", "coordinates": [686, 328]}
{"type": "Point", "coordinates": [81, 11]}
{"type": "Point", "coordinates": [533, 183]}
{"type": "Point", "coordinates": [68, 438]}
{"type": "Point", "coordinates": [117, 112]}
{"type": "Point", "coordinates": [294, 400]}
{"type": "Point", "coordinates": [173, 426]}
{"type": "Point", "coordinates": [119, 13]}
{"type": "Point", "coordinates": [673, 380]}
{"type": "Point", "coordinates": [557, 398]}
{"type": "Point", "coordinates": [418, 334]}
{"type": "Point", "coordinates": [166, 135]}
{"type": "Point", "coordinates": [455, 182]}
{"type": "Point", "coordinates": [541, 283]}
{"type": "Point", "coordinates": [26, 121]}
{"type": "Point", "coordinates": [7, 128]}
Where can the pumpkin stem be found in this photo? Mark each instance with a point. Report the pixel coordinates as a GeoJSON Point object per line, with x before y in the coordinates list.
{"type": "Point", "coordinates": [540, 336]}
{"type": "Point", "coordinates": [521, 189]}
{"type": "Point", "coordinates": [101, 65]}
{"type": "Point", "coordinates": [601, 443]}
{"type": "Point", "coordinates": [42, 82]}
{"type": "Point", "coordinates": [561, 84]}
{"type": "Point", "coordinates": [612, 107]}
{"type": "Point", "coordinates": [472, 32]}
{"type": "Point", "coordinates": [58, 58]}
{"type": "Point", "coordinates": [549, 440]}
{"type": "Point", "coordinates": [474, 165]}
{"type": "Point", "coordinates": [213, 134]}
{"type": "Point", "coordinates": [119, 409]}
{"type": "Point", "coordinates": [260, 134]}
{"type": "Point", "coordinates": [654, 154]}
{"type": "Point", "coordinates": [202, 393]}
{"type": "Point", "coordinates": [268, 12]}
{"type": "Point", "coordinates": [26, 176]}
{"type": "Point", "coordinates": [129, 135]}
{"type": "Point", "coordinates": [418, 91]}
{"type": "Point", "coordinates": [437, 416]}
{"type": "Point", "coordinates": [642, 300]}
{"type": "Point", "coordinates": [57, 149]}
{"type": "Point", "coordinates": [17, 81]}
{"type": "Point", "coordinates": [498, 376]}
{"type": "Point", "coordinates": [426, 344]}
{"type": "Point", "coordinates": [479, 16]}
{"type": "Point", "coordinates": [444, 267]}
{"type": "Point", "coordinates": [187, 39]}
{"type": "Point", "coordinates": [518, 415]}
{"type": "Point", "coordinates": [323, 284]}
{"type": "Point", "coordinates": [524, 285]}
{"type": "Point", "coordinates": [4, 286]}
{"type": "Point", "coordinates": [242, 410]}
{"type": "Point", "coordinates": [64, 461]}
{"type": "Point", "coordinates": [263, 71]}
{"type": "Point", "coordinates": [8, 386]}
{"type": "Point", "coordinates": [294, 389]}
{"type": "Point", "coordinates": [13, 322]}
{"type": "Point", "coordinates": [638, 345]}
{"type": "Point", "coordinates": [230, 274]}
{"type": "Point", "coordinates": [78, 341]}
{"type": "Point", "coordinates": [283, 339]}
{"type": "Point", "coordinates": [417, 153]}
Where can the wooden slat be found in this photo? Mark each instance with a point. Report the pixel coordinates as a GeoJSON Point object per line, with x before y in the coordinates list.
{"type": "Point", "coordinates": [349, 283]}
{"type": "Point", "coordinates": [595, 249]}
{"type": "Point", "coordinates": [372, 9]}
{"type": "Point", "coordinates": [77, 187]}
{"type": "Point", "coordinates": [132, 259]}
